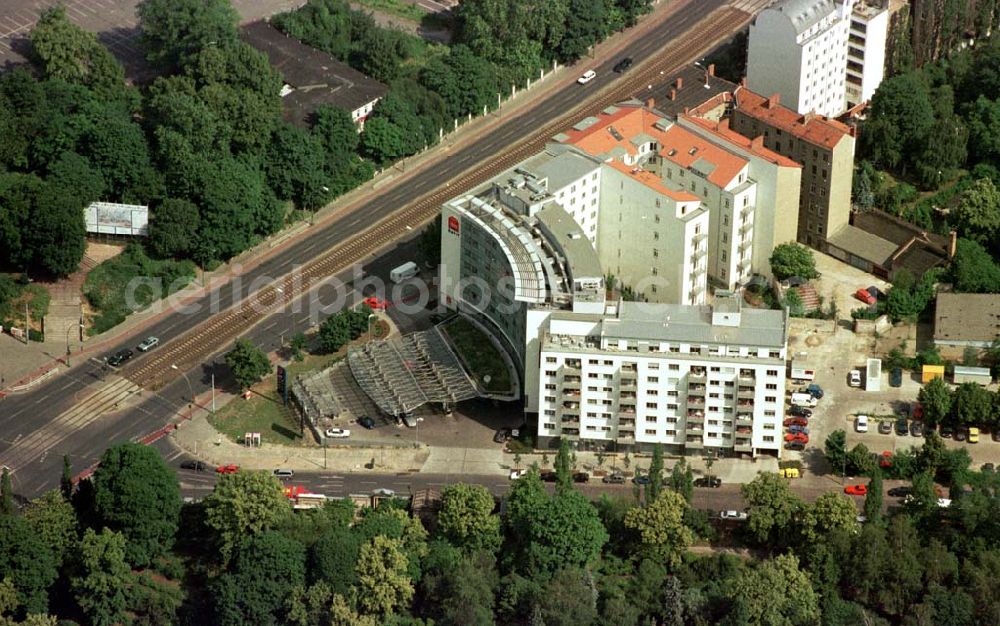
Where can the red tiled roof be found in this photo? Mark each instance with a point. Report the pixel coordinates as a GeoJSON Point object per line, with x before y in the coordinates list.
{"type": "Point", "coordinates": [652, 181]}
{"type": "Point", "coordinates": [684, 148]}
{"type": "Point", "coordinates": [721, 129]}
{"type": "Point", "coordinates": [815, 129]}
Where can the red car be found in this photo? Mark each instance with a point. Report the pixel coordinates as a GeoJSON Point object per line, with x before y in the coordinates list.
{"type": "Point", "coordinates": [227, 469]}
{"type": "Point", "coordinates": [375, 303]}
{"type": "Point", "coordinates": [856, 490]}
{"type": "Point", "coordinates": [886, 459]}
{"type": "Point", "coordinates": [865, 296]}
{"type": "Point", "coordinates": [796, 421]}
{"type": "Point", "coordinates": [799, 437]}
{"type": "Point", "coordinates": [917, 411]}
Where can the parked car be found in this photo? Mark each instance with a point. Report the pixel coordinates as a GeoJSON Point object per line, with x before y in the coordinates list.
{"type": "Point", "coordinates": [902, 427]}
{"type": "Point", "coordinates": [581, 477]}
{"type": "Point", "coordinates": [814, 390]}
{"type": "Point", "coordinates": [622, 66]}
{"type": "Point", "coordinates": [960, 434]}
{"type": "Point", "coordinates": [856, 490]}
{"type": "Point", "coordinates": [896, 377]}
{"type": "Point", "coordinates": [987, 467]}
{"type": "Point", "coordinates": [515, 474]}
{"type": "Point", "coordinates": [900, 492]}
{"type": "Point", "coordinates": [382, 491]}
{"type": "Point", "coordinates": [795, 428]}
{"type": "Point", "coordinates": [865, 296]}
{"type": "Point", "coordinates": [800, 437]}
{"type": "Point", "coordinates": [376, 303]}
{"type": "Point", "coordinates": [885, 459]}
{"type": "Point", "coordinates": [885, 427]}
{"type": "Point", "coordinates": [861, 424]}
{"type": "Point", "coordinates": [797, 446]}
{"type": "Point", "coordinates": [973, 435]}
{"type": "Point", "coordinates": [120, 357]}
{"type": "Point", "coordinates": [147, 344]}
{"type": "Point", "coordinates": [917, 411]}
{"type": "Point", "coordinates": [337, 433]}
{"type": "Point", "coordinates": [548, 477]}
{"type": "Point", "coordinates": [227, 469]}
{"type": "Point", "coordinates": [283, 473]}
{"type": "Point", "coordinates": [588, 76]}
{"type": "Point", "coordinates": [738, 516]}
{"type": "Point", "coordinates": [366, 422]}
{"type": "Point", "coordinates": [916, 429]}
{"type": "Point", "coordinates": [854, 378]}
{"type": "Point", "coordinates": [796, 421]}
{"type": "Point", "coordinates": [197, 466]}
{"type": "Point", "coordinates": [614, 479]}
{"type": "Point", "coordinates": [641, 480]}
{"type": "Point", "coordinates": [711, 482]}
{"type": "Point", "coordinates": [502, 435]}
{"type": "Point", "coordinates": [803, 399]}
{"type": "Point", "coordinates": [995, 434]}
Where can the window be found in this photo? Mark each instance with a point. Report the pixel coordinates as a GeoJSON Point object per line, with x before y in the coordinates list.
{"type": "Point", "coordinates": [550, 386]}
{"type": "Point", "coordinates": [650, 405]}
{"type": "Point", "coordinates": [652, 379]}
{"type": "Point", "coordinates": [650, 431]}
{"type": "Point", "coordinates": [550, 372]}
{"type": "Point", "coordinates": [770, 399]}
{"type": "Point", "coordinates": [550, 359]}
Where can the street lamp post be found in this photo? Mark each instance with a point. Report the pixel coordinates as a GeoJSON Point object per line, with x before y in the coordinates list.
{"type": "Point", "coordinates": [190, 388]}
{"type": "Point", "coordinates": [370, 316]}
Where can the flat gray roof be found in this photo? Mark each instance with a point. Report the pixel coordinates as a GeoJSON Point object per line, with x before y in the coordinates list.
{"type": "Point", "coordinates": [644, 321]}
{"type": "Point", "coordinates": [580, 254]}
{"type": "Point", "coordinates": [560, 164]}
{"type": "Point", "coordinates": [967, 317]}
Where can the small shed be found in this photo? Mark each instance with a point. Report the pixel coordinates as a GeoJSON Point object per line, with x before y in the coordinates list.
{"type": "Point", "coordinates": [963, 374]}
{"type": "Point", "coordinates": [930, 372]}
{"type": "Point", "coordinates": [873, 377]}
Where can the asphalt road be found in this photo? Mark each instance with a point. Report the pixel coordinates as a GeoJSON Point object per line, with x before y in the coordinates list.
{"type": "Point", "coordinates": [39, 468]}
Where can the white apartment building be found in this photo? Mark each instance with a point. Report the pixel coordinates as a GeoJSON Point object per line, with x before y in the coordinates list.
{"type": "Point", "coordinates": [749, 192]}
{"type": "Point", "coordinates": [691, 378]}
{"type": "Point", "coordinates": [866, 49]}
{"type": "Point", "coordinates": [798, 49]}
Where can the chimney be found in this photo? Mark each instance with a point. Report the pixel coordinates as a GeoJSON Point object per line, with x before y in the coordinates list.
{"type": "Point", "coordinates": [707, 75]}
{"type": "Point", "coordinates": [808, 117]}
{"type": "Point", "coordinates": [711, 69]}
{"type": "Point", "coordinates": [773, 100]}
{"type": "Point", "coordinates": [680, 82]}
{"type": "Point", "coordinates": [650, 102]}
{"type": "Point", "coordinates": [757, 143]}
{"type": "Point", "coordinates": [673, 94]}
{"type": "Point", "coordinates": [743, 82]}
{"type": "Point", "coordinates": [951, 244]}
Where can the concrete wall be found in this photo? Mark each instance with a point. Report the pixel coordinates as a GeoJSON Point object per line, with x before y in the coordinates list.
{"type": "Point", "coordinates": [774, 59]}
{"type": "Point", "coordinates": [838, 212]}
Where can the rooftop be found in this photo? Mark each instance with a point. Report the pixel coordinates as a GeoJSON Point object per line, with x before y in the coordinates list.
{"type": "Point", "coordinates": [697, 86]}
{"type": "Point", "coordinates": [652, 181]}
{"type": "Point", "coordinates": [580, 256]}
{"type": "Point", "coordinates": [688, 150]}
{"type": "Point", "coordinates": [722, 131]}
{"type": "Point", "coordinates": [643, 321]}
{"type": "Point", "coordinates": [967, 317]}
{"type": "Point", "coordinates": [559, 164]}
{"type": "Point", "coordinates": [815, 129]}
{"type": "Point", "coordinates": [804, 14]}
{"type": "Point", "coordinates": [316, 77]}
{"type": "Point", "coordinates": [864, 244]}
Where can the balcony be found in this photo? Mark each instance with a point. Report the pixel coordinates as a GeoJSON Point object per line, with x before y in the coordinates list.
{"type": "Point", "coordinates": [694, 429]}
{"type": "Point", "coordinates": [627, 401]}
{"type": "Point", "coordinates": [696, 390]}
{"type": "Point", "coordinates": [747, 211]}
{"type": "Point", "coordinates": [746, 227]}
{"type": "Point", "coordinates": [744, 421]}
{"type": "Point", "coordinates": [626, 421]}
{"type": "Point", "coordinates": [697, 254]}
{"type": "Point", "coordinates": [696, 402]}
{"type": "Point", "coordinates": [743, 445]}
{"type": "Point", "coordinates": [742, 430]}
{"type": "Point", "coordinates": [570, 419]}
{"type": "Point", "coordinates": [623, 440]}
{"type": "Point", "coordinates": [747, 377]}
{"type": "Point", "coordinates": [627, 383]}
{"type": "Point", "coordinates": [626, 413]}
{"type": "Point", "coordinates": [694, 442]}
{"type": "Point", "coordinates": [746, 393]}
{"type": "Point", "coordinates": [694, 414]}
{"type": "Point", "coordinates": [571, 432]}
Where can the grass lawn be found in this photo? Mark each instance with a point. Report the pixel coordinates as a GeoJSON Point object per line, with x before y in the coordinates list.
{"type": "Point", "coordinates": [479, 355]}
{"type": "Point", "coordinates": [260, 414]}
{"type": "Point", "coordinates": [397, 8]}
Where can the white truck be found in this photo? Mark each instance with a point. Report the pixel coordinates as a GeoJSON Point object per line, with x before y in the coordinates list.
{"type": "Point", "coordinates": [405, 271]}
{"type": "Point", "coordinates": [802, 370]}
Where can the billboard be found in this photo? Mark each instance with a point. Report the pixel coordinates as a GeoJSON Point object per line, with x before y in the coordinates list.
{"type": "Point", "coordinates": [106, 218]}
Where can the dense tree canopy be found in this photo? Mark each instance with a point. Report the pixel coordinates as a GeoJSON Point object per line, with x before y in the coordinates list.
{"type": "Point", "coordinates": [792, 259]}
{"type": "Point", "coordinates": [175, 30]}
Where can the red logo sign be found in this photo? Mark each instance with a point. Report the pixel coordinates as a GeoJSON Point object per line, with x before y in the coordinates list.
{"type": "Point", "coordinates": [453, 224]}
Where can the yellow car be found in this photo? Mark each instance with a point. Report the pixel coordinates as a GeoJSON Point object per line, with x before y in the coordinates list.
{"type": "Point", "coordinates": [973, 435]}
{"type": "Point", "coordinates": [788, 472]}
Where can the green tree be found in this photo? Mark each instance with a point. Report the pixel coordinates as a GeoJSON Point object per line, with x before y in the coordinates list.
{"type": "Point", "coordinates": [899, 120]}
{"type": "Point", "coordinates": [102, 586]}
{"type": "Point", "coordinates": [773, 507]}
{"type": "Point", "coordinates": [792, 259]}
{"type": "Point", "coordinates": [66, 480]}
{"type": "Point", "coordinates": [562, 465]}
{"type": "Point", "coordinates": [298, 345]}
{"type": "Point", "coordinates": [586, 24]}
{"type": "Point", "coordinates": [334, 557]}
{"type": "Point", "coordinates": [978, 212]}
{"type": "Point", "coordinates": [660, 525]}
{"type": "Point", "coordinates": [267, 568]}
{"type": "Point", "coordinates": [243, 505]}
{"type": "Point", "coordinates": [775, 593]}
{"type": "Point", "coordinates": [116, 145]}
{"type": "Point", "coordinates": [863, 185]}
{"type": "Point", "coordinates": [983, 117]}
{"type": "Point", "coordinates": [873, 499]}
{"type": "Point", "coordinates": [383, 585]}
{"type": "Point", "coordinates": [52, 518]}
{"type": "Point", "coordinates": [935, 397]}
{"type": "Point", "coordinates": [835, 450]}
{"type": "Point", "coordinates": [173, 31]}
{"type": "Point", "coordinates": [972, 404]}
{"type": "Point", "coordinates": [336, 133]}
{"type": "Point", "coordinates": [136, 493]}
{"type": "Point", "coordinates": [174, 222]}
{"type": "Point", "coordinates": [466, 518]}
{"type": "Point", "coordinates": [28, 561]}
{"type": "Point", "coordinates": [829, 512]}
{"type": "Point", "coordinates": [859, 460]}
{"type": "Point", "coordinates": [248, 363]}
{"type": "Point", "coordinates": [568, 599]}
{"type": "Point", "coordinates": [295, 165]}
{"type": "Point", "coordinates": [655, 484]}
{"type": "Point", "coordinates": [67, 52]}
{"type": "Point", "coordinates": [903, 579]}
{"type": "Point", "coordinates": [342, 614]}
{"type": "Point", "coordinates": [973, 269]}
{"type": "Point", "coordinates": [6, 494]}
{"type": "Point", "coordinates": [682, 480]}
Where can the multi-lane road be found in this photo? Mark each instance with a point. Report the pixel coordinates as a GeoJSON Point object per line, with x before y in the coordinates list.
{"type": "Point", "coordinates": [37, 428]}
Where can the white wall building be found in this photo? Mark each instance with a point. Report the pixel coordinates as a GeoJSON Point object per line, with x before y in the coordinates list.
{"type": "Point", "coordinates": [798, 49]}
{"type": "Point", "coordinates": [866, 51]}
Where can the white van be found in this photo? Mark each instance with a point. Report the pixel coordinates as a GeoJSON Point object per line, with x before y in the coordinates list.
{"type": "Point", "coordinates": [803, 399]}
{"type": "Point", "coordinates": [405, 271]}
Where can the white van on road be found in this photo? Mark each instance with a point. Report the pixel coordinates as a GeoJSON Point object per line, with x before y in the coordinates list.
{"type": "Point", "coordinates": [405, 271]}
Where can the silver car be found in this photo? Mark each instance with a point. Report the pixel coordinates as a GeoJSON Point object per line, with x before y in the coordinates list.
{"type": "Point", "coordinates": [148, 344]}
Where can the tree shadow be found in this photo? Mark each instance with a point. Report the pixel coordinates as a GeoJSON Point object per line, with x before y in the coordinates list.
{"type": "Point", "coordinates": [286, 432]}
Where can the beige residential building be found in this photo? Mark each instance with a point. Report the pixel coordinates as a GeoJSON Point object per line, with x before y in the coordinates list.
{"type": "Point", "coordinates": [825, 149]}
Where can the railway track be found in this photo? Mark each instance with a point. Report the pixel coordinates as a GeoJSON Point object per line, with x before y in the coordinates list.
{"type": "Point", "coordinates": [206, 338]}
